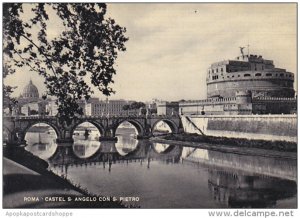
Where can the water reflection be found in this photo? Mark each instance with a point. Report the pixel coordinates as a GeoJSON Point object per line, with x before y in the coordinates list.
{"type": "Point", "coordinates": [170, 176]}
{"type": "Point", "coordinates": [108, 152]}
{"type": "Point", "coordinates": [160, 147]}
{"type": "Point", "coordinates": [240, 181]}
{"type": "Point", "coordinates": [85, 149]}
{"type": "Point", "coordinates": [276, 167]}
{"type": "Point", "coordinates": [239, 190]}
{"type": "Point", "coordinates": [41, 141]}
{"type": "Point", "coordinates": [125, 144]}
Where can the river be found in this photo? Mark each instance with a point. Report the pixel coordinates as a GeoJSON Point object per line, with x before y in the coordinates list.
{"type": "Point", "coordinates": [159, 175]}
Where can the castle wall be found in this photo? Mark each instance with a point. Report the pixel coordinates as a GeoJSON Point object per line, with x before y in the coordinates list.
{"type": "Point", "coordinates": [278, 87]}
{"type": "Point", "coordinates": [265, 127]}
{"type": "Point", "coordinates": [271, 105]}
{"type": "Point", "coordinates": [242, 103]}
{"type": "Point", "coordinates": [209, 106]}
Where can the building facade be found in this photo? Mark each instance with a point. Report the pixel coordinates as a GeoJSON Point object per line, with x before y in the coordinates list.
{"type": "Point", "coordinates": [168, 108]}
{"type": "Point", "coordinates": [108, 108]}
{"type": "Point", "coordinates": [30, 104]}
{"type": "Point", "coordinates": [95, 108]}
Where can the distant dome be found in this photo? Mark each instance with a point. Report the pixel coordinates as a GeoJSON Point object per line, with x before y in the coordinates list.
{"type": "Point", "coordinates": [30, 91]}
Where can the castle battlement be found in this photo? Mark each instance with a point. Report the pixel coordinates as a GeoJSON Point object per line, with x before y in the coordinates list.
{"type": "Point", "coordinates": [274, 99]}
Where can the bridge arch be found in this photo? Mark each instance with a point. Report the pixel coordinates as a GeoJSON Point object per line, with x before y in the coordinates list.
{"type": "Point", "coordinates": [25, 130]}
{"type": "Point", "coordinates": [138, 126]}
{"type": "Point", "coordinates": [173, 126]}
{"type": "Point", "coordinates": [99, 126]}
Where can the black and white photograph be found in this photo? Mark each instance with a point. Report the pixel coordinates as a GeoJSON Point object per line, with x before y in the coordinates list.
{"type": "Point", "coordinates": [150, 105]}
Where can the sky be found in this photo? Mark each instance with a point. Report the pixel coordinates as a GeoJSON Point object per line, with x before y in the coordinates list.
{"type": "Point", "coordinates": [171, 45]}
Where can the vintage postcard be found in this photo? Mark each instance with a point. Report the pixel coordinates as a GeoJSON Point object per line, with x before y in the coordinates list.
{"type": "Point", "coordinates": [150, 105]}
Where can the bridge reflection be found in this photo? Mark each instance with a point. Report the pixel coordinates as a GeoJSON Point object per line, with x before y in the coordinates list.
{"type": "Point", "coordinates": [108, 153]}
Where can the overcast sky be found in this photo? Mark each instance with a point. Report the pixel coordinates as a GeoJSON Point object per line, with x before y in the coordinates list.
{"type": "Point", "coordinates": [171, 46]}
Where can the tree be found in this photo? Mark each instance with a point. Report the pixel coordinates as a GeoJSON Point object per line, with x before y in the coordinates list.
{"type": "Point", "coordinates": [153, 111]}
{"type": "Point", "coordinates": [136, 105]}
{"type": "Point", "coordinates": [86, 47]}
{"type": "Point", "coordinates": [33, 112]}
{"type": "Point", "coordinates": [126, 107]}
{"type": "Point", "coordinates": [8, 101]}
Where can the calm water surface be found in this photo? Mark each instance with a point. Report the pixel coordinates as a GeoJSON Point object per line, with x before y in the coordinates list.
{"type": "Point", "coordinates": [168, 176]}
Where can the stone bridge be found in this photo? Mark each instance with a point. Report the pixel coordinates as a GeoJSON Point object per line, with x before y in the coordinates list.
{"type": "Point", "coordinates": [16, 127]}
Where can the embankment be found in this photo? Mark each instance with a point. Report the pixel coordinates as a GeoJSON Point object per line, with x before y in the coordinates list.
{"type": "Point", "coordinates": [257, 127]}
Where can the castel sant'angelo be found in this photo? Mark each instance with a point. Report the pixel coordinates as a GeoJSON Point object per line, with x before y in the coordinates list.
{"type": "Point", "coordinates": [249, 84]}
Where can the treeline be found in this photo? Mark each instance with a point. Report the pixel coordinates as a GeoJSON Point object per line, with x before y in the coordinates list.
{"type": "Point", "coordinates": [134, 106]}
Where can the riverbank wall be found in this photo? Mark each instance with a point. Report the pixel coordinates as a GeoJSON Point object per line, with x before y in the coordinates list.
{"type": "Point", "coordinates": [260, 127]}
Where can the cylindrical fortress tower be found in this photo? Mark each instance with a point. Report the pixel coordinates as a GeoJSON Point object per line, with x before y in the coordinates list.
{"type": "Point", "coordinates": [249, 73]}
